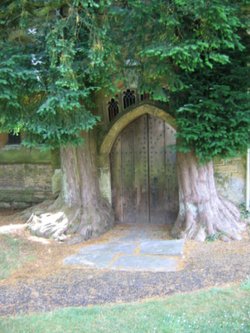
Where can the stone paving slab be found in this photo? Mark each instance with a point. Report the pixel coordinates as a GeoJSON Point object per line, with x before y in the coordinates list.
{"type": "Point", "coordinates": [163, 247]}
{"type": "Point", "coordinates": [135, 251]}
{"type": "Point", "coordinates": [95, 259]}
{"type": "Point", "coordinates": [146, 263]}
{"type": "Point", "coordinates": [134, 256]}
{"type": "Point", "coordinates": [118, 247]}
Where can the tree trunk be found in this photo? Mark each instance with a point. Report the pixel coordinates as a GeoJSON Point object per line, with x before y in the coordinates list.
{"type": "Point", "coordinates": [203, 212]}
{"type": "Point", "coordinates": [80, 210]}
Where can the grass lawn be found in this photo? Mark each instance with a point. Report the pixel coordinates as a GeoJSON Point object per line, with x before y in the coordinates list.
{"type": "Point", "coordinates": [13, 253]}
{"type": "Point", "coordinates": [216, 310]}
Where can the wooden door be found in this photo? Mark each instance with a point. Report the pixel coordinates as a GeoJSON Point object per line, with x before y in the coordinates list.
{"type": "Point", "coordinates": [144, 184]}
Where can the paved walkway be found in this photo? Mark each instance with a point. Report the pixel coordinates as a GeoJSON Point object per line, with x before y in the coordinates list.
{"type": "Point", "coordinates": [206, 264]}
{"type": "Point", "coordinates": [137, 250]}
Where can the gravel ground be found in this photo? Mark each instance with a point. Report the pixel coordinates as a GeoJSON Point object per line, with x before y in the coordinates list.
{"type": "Point", "coordinates": [206, 264]}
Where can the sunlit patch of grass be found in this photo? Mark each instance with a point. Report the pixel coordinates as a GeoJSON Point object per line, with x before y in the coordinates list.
{"type": "Point", "coordinates": [219, 310]}
{"type": "Point", "coordinates": [13, 254]}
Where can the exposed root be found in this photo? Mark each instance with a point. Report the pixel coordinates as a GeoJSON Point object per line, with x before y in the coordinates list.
{"type": "Point", "coordinates": [52, 224]}
{"type": "Point", "coordinates": [74, 224]}
{"type": "Point", "coordinates": [80, 212]}
{"type": "Point", "coordinates": [220, 218]}
{"type": "Point", "coordinates": [202, 212]}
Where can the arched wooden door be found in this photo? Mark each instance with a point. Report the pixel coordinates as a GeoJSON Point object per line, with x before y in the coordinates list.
{"type": "Point", "coordinates": [143, 173]}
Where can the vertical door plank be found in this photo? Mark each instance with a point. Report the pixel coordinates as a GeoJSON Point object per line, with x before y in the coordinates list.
{"type": "Point", "coordinates": [141, 170]}
{"type": "Point", "coordinates": [156, 170]}
{"type": "Point", "coordinates": [128, 174]}
{"type": "Point", "coordinates": [116, 180]}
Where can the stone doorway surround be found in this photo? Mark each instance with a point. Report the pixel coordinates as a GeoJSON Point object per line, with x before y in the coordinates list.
{"type": "Point", "coordinates": [120, 122]}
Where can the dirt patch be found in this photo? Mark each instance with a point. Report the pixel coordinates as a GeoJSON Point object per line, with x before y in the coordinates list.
{"type": "Point", "coordinates": [50, 254]}
{"type": "Point", "coordinates": [46, 284]}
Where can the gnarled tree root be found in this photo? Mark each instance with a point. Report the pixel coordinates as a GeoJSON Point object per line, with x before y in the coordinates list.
{"type": "Point", "coordinates": [202, 211]}
{"type": "Point", "coordinates": [217, 219]}
{"type": "Point", "coordinates": [72, 224]}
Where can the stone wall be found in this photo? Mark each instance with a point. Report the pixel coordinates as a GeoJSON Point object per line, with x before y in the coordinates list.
{"type": "Point", "coordinates": [25, 176]}
{"type": "Point", "coordinates": [231, 179]}
{"type": "Point", "coordinates": [22, 185]}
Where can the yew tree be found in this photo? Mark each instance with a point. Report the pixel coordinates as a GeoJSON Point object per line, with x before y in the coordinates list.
{"type": "Point", "coordinates": [193, 54]}
{"type": "Point", "coordinates": [55, 56]}
{"type": "Point", "coordinates": [52, 64]}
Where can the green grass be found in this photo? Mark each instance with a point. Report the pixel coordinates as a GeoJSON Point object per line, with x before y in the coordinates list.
{"type": "Point", "coordinates": [216, 310]}
{"type": "Point", "coordinates": [13, 253]}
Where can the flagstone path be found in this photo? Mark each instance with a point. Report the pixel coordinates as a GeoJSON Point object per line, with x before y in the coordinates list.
{"type": "Point", "coordinates": [136, 251]}
{"type": "Point", "coordinates": [122, 271]}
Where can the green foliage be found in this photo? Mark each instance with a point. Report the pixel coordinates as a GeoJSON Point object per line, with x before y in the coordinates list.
{"type": "Point", "coordinates": [197, 51]}
{"type": "Point", "coordinates": [52, 63]}
{"type": "Point", "coordinates": [245, 214]}
{"type": "Point", "coordinates": [214, 237]}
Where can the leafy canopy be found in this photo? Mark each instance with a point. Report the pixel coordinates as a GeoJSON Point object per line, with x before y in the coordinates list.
{"type": "Point", "coordinates": [51, 64]}
{"type": "Point", "coordinates": [191, 54]}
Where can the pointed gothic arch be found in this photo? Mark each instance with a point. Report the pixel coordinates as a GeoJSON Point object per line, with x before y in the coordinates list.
{"type": "Point", "coordinates": [129, 116]}
{"type": "Point", "coordinates": [116, 128]}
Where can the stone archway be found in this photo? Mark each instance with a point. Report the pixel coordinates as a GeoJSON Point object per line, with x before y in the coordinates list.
{"type": "Point", "coordinates": [126, 118]}
{"type": "Point", "coordinates": [124, 121]}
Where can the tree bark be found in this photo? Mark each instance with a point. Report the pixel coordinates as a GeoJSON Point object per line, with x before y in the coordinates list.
{"type": "Point", "coordinates": [80, 209]}
{"type": "Point", "coordinates": [202, 211]}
